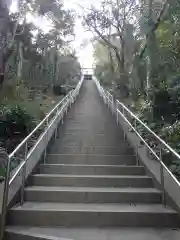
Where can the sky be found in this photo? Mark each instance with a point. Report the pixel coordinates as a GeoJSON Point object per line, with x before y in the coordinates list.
{"type": "Point", "coordinates": [84, 54]}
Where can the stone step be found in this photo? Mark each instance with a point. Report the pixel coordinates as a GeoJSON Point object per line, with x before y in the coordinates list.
{"type": "Point", "coordinates": [22, 234]}
{"type": "Point", "coordinates": [106, 150]}
{"type": "Point", "coordinates": [90, 180]}
{"type": "Point", "coordinates": [91, 140]}
{"type": "Point", "coordinates": [88, 129]}
{"type": "Point", "coordinates": [94, 159]}
{"type": "Point", "coordinates": [99, 215]}
{"type": "Point", "coordinates": [88, 138]}
{"type": "Point", "coordinates": [90, 195]}
{"type": "Point", "coordinates": [79, 122]}
{"type": "Point", "coordinates": [66, 233]}
{"type": "Point", "coordinates": [91, 169]}
{"type": "Point", "coordinates": [82, 128]}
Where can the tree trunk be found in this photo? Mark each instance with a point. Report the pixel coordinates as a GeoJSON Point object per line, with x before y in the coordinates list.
{"type": "Point", "coordinates": [55, 67]}
{"type": "Point", "coordinates": [20, 60]}
{"type": "Point", "coordinates": [3, 38]}
{"type": "Point", "coordinates": [149, 40]}
{"type": "Point", "coordinates": [111, 61]}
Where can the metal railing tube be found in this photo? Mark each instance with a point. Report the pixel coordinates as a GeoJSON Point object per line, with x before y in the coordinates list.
{"type": "Point", "coordinates": [162, 178]}
{"type": "Point", "coordinates": [45, 150]}
{"type": "Point", "coordinates": [149, 130]}
{"type": "Point", "coordinates": [24, 174]}
{"type": "Point", "coordinates": [5, 198]}
{"type": "Point", "coordinates": [163, 144]}
{"type": "Point", "coordinates": [35, 129]}
{"type": "Point", "coordinates": [64, 103]}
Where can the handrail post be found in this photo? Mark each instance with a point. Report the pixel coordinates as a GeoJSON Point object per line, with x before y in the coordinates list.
{"type": "Point", "coordinates": [67, 105]}
{"type": "Point", "coordinates": [55, 133]}
{"type": "Point", "coordinates": [45, 150]}
{"type": "Point", "coordinates": [112, 107]}
{"type": "Point", "coordinates": [162, 177]}
{"type": "Point", "coordinates": [125, 112]}
{"type": "Point", "coordinates": [62, 118]}
{"type": "Point", "coordinates": [124, 133]}
{"type": "Point", "coordinates": [23, 166]}
{"type": "Point", "coordinates": [5, 198]}
{"type": "Point", "coordinates": [135, 127]}
{"type": "Point", "coordinates": [56, 130]}
{"type": "Point", "coordinates": [117, 114]}
{"type": "Point", "coordinates": [70, 99]}
{"type": "Point", "coordinates": [24, 174]}
{"type": "Point", "coordinates": [108, 99]}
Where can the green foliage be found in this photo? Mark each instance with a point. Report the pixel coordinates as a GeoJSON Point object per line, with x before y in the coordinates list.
{"type": "Point", "coordinates": [59, 90]}
{"type": "Point", "coordinates": [15, 124]}
{"type": "Point", "coordinates": [34, 55]}
{"type": "Point", "coordinates": [31, 63]}
{"type": "Point", "coordinates": [153, 66]}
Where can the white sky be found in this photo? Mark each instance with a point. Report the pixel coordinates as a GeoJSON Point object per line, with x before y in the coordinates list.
{"type": "Point", "coordinates": [85, 54]}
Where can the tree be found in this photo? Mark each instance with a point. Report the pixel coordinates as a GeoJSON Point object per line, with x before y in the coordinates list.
{"type": "Point", "coordinates": [114, 23]}
{"type": "Point", "coordinates": [5, 30]}
{"type": "Point", "coordinates": [12, 37]}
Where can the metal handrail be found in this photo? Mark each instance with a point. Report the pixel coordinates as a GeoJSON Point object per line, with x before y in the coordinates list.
{"type": "Point", "coordinates": [149, 130]}
{"type": "Point", "coordinates": [38, 127]}
{"type": "Point", "coordinates": [60, 109]}
{"type": "Point", "coordinates": [109, 100]}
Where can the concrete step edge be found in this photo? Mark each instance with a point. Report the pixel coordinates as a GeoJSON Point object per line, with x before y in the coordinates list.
{"type": "Point", "coordinates": [33, 236]}
{"type": "Point", "coordinates": [92, 176]}
{"type": "Point", "coordinates": [93, 207]}
{"type": "Point", "coordinates": [93, 189]}
{"type": "Point", "coordinates": [91, 154]}
{"type": "Point", "coordinates": [88, 165]}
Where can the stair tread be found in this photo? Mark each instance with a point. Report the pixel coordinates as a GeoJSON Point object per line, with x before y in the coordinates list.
{"type": "Point", "coordinates": [94, 146]}
{"type": "Point", "coordinates": [91, 181]}
{"type": "Point", "coordinates": [89, 165]}
{"type": "Point", "coordinates": [91, 154]}
{"type": "Point", "coordinates": [28, 232]}
{"type": "Point", "coordinates": [122, 233]}
{"type": "Point", "coordinates": [93, 189]}
{"type": "Point", "coordinates": [93, 207]}
{"type": "Point", "coordinates": [92, 176]}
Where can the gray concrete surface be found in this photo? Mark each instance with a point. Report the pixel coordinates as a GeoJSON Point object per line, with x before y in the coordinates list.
{"type": "Point", "coordinates": [77, 186]}
{"type": "Point", "coordinates": [102, 234]}
{"type": "Point", "coordinates": [91, 180]}
{"type": "Point", "coordinates": [94, 159]}
{"type": "Point", "coordinates": [91, 169]}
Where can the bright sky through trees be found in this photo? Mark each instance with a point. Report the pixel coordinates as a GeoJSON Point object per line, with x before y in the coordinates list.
{"type": "Point", "coordinates": [85, 52]}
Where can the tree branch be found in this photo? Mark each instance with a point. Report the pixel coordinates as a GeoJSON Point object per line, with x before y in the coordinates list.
{"type": "Point", "coordinates": [159, 20]}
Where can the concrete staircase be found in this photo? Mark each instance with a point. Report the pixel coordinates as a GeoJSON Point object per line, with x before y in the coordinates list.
{"type": "Point", "coordinates": [89, 180]}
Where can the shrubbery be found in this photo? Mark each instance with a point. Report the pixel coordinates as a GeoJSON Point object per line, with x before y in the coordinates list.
{"type": "Point", "coordinates": [15, 124]}
{"type": "Point", "coordinates": [162, 115]}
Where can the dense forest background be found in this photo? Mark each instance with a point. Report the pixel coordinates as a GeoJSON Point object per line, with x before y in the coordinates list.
{"type": "Point", "coordinates": [137, 58]}
{"type": "Point", "coordinates": [38, 65]}
{"type": "Point", "coordinates": [136, 52]}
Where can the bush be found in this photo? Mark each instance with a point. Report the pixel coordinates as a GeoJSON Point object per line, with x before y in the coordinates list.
{"type": "Point", "coordinates": [59, 90]}
{"type": "Point", "coordinates": [15, 124]}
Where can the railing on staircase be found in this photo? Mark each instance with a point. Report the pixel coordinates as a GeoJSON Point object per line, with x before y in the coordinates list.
{"type": "Point", "coordinates": [29, 151]}
{"type": "Point", "coordinates": [169, 183]}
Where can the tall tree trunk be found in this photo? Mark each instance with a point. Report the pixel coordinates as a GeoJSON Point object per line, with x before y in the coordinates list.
{"type": "Point", "coordinates": [55, 67]}
{"type": "Point", "coordinates": [149, 39]}
{"type": "Point", "coordinates": [20, 60]}
{"type": "Point", "coordinates": [3, 38]}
